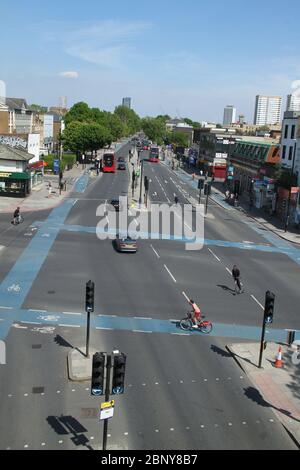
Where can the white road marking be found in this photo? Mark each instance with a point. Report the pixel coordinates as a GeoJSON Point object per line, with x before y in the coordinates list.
{"type": "Point", "coordinates": [36, 310]}
{"type": "Point", "coordinates": [72, 313]}
{"type": "Point", "coordinates": [75, 202]}
{"type": "Point", "coordinates": [30, 322]}
{"type": "Point", "coordinates": [143, 318]}
{"type": "Point", "coordinates": [71, 326]}
{"type": "Point", "coordinates": [213, 254]}
{"type": "Point", "coordinates": [104, 315]}
{"type": "Point", "coordinates": [6, 307]}
{"type": "Point", "coordinates": [102, 328]}
{"type": "Point", "coordinates": [20, 326]}
{"type": "Point", "coordinates": [184, 294]}
{"type": "Point", "coordinates": [142, 331]}
{"type": "Point", "coordinates": [170, 273]}
{"type": "Point", "coordinates": [255, 299]}
{"type": "Point", "coordinates": [155, 252]}
{"type": "Point", "coordinates": [181, 334]}
{"type": "Point", "coordinates": [228, 270]}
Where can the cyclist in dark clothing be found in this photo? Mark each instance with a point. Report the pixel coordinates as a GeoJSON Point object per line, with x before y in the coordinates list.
{"type": "Point", "coordinates": [236, 276]}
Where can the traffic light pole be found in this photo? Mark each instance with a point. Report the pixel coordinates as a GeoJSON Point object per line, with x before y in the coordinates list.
{"type": "Point", "coordinates": [262, 343]}
{"type": "Point", "coordinates": [108, 370]}
{"type": "Point", "coordinates": [87, 333]}
{"type": "Point", "coordinates": [200, 195]}
{"type": "Point", "coordinates": [206, 202]}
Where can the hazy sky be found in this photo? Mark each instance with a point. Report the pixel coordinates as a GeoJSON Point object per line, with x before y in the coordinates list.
{"type": "Point", "coordinates": [186, 58]}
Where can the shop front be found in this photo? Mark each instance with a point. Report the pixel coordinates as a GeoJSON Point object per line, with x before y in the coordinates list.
{"type": "Point", "coordinates": [13, 184]}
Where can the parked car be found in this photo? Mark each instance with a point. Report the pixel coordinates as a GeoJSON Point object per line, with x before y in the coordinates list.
{"type": "Point", "coordinates": [125, 244]}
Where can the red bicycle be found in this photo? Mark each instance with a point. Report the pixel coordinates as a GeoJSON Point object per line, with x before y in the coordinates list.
{"type": "Point", "coordinates": [203, 325]}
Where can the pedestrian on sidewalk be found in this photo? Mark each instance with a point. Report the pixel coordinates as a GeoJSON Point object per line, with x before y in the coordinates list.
{"type": "Point", "coordinates": [77, 164]}
{"type": "Point", "coordinates": [49, 188]}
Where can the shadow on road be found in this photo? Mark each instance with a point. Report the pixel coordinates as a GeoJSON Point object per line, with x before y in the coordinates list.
{"type": "Point", "coordinates": [226, 288]}
{"type": "Point", "coordinates": [67, 425]}
{"type": "Point", "coordinates": [220, 351]}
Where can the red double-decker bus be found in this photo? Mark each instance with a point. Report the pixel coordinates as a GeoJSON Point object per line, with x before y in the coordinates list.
{"type": "Point", "coordinates": [109, 163]}
{"type": "Point", "coordinates": [154, 154]}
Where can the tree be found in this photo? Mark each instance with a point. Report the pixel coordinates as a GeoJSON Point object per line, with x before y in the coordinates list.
{"type": "Point", "coordinates": [80, 112]}
{"type": "Point", "coordinates": [81, 137]}
{"type": "Point", "coordinates": [38, 108]}
{"type": "Point", "coordinates": [154, 128]}
{"type": "Point", "coordinates": [179, 138]}
{"type": "Point", "coordinates": [284, 177]}
{"type": "Point", "coordinates": [129, 118]}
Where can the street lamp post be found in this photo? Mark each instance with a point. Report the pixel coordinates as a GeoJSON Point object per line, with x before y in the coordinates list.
{"type": "Point", "coordinates": [290, 192]}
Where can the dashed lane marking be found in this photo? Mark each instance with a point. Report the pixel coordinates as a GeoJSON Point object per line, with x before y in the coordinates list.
{"type": "Point", "coordinates": [214, 254]}
{"type": "Point", "coordinates": [255, 299]}
{"type": "Point", "coordinates": [103, 328]}
{"type": "Point", "coordinates": [141, 331]}
{"type": "Point", "coordinates": [143, 318]}
{"type": "Point", "coordinates": [71, 326]}
{"type": "Point", "coordinates": [155, 251]}
{"type": "Point", "coordinates": [72, 313]}
{"type": "Point", "coordinates": [167, 269]}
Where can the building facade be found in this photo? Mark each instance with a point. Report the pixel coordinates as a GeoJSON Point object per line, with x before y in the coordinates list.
{"type": "Point", "coordinates": [267, 110]}
{"type": "Point", "coordinates": [290, 142]}
{"type": "Point", "coordinates": [126, 102]}
{"type": "Point", "coordinates": [293, 102]}
{"type": "Point", "coordinates": [15, 177]}
{"type": "Point", "coordinates": [229, 116]}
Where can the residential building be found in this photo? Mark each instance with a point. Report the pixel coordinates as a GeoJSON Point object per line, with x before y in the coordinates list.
{"type": "Point", "coordinates": [185, 129]}
{"type": "Point", "coordinates": [30, 143]}
{"type": "Point", "coordinates": [293, 102]}
{"type": "Point", "coordinates": [290, 142]}
{"type": "Point", "coordinates": [20, 116]}
{"type": "Point", "coordinates": [267, 110]}
{"type": "Point", "coordinates": [229, 115]}
{"type": "Point", "coordinates": [126, 102]}
{"type": "Point", "coordinates": [172, 123]}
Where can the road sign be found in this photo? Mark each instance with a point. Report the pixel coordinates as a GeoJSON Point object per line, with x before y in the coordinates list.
{"type": "Point", "coordinates": [56, 166]}
{"type": "Point", "coordinates": [107, 409]}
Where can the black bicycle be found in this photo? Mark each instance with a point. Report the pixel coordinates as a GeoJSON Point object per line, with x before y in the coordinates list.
{"type": "Point", "coordinates": [17, 220]}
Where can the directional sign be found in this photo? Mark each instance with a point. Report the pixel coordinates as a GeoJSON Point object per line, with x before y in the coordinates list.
{"type": "Point", "coordinates": [107, 409]}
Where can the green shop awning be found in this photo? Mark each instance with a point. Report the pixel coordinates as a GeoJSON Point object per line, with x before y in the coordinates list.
{"type": "Point", "coordinates": [14, 175]}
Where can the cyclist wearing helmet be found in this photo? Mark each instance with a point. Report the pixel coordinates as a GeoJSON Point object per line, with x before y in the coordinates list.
{"type": "Point", "coordinates": [196, 314]}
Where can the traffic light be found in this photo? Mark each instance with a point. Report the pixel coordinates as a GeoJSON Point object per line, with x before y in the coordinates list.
{"type": "Point", "coordinates": [146, 183]}
{"type": "Point", "coordinates": [97, 385]}
{"type": "Point", "coordinates": [201, 183]}
{"type": "Point", "coordinates": [118, 374]}
{"type": "Point", "coordinates": [269, 307]}
{"type": "Point", "coordinates": [207, 189]}
{"type": "Point", "coordinates": [89, 296]}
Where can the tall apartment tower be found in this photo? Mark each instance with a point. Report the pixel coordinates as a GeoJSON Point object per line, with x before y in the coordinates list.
{"type": "Point", "coordinates": [267, 110]}
{"type": "Point", "coordinates": [229, 115]}
{"type": "Point", "coordinates": [293, 102]}
{"type": "Point", "coordinates": [126, 102]}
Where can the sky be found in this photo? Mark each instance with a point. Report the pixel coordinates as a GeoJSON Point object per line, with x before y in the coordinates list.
{"type": "Point", "coordinates": [186, 58]}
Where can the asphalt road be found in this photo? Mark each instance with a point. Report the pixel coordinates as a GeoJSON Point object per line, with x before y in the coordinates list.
{"type": "Point", "coordinates": [182, 391]}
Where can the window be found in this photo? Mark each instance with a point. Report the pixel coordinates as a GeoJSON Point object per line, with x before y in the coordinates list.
{"type": "Point", "coordinates": [291, 153]}
{"type": "Point", "coordinates": [293, 132]}
{"type": "Point", "coordinates": [286, 131]}
{"type": "Point", "coordinates": [283, 152]}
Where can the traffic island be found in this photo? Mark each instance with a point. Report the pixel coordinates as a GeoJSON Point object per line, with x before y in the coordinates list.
{"type": "Point", "coordinates": [79, 366]}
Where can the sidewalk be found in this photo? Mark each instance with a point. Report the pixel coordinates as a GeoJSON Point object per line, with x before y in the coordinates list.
{"type": "Point", "coordinates": [276, 388]}
{"type": "Point", "coordinates": [269, 222]}
{"type": "Point", "coordinates": [39, 198]}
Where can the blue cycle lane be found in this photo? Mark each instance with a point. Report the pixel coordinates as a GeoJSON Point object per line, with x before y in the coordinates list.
{"type": "Point", "coordinates": [18, 282]}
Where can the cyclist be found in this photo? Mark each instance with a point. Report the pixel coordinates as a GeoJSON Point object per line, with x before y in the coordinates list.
{"type": "Point", "coordinates": [17, 216]}
{"type": "Point", "coordinates": [196, 313]}
{"type": "Point", "coordinates": [236, 276]}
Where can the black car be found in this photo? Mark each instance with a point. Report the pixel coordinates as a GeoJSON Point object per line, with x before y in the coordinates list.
{"type": "Point", "coordinates": [121, 159]}
{"type": "Point", "coordinates": [121, 166]}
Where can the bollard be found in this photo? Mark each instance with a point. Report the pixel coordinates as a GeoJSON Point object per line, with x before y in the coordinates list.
{"type": "Point", "coordinates": [290, 337]}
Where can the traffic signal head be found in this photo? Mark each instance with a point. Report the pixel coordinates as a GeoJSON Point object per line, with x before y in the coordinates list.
{"type": "Point", "coordinates": [269, 307]}
{"type": "Point", "coordinates": [200, 183]}
{"type": "Point", "coordinates": [146, 183]}
{"type": "Point", "coordinates": [118, 374]}
{"type": "Point", "coordinates": [97, 384]}
{"type": "Point", "coordinates": [89, 296]}
{"type": "Point", "coordinates": [207, 189]}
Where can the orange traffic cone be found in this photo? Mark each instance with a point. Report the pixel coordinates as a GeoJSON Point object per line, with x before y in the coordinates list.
{"type": "Point", "coordinates": [279, 361]}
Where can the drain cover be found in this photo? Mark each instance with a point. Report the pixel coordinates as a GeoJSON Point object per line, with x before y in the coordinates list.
{"type": "Point", "coordinates": [38, 389]}
{"type": "Point", "coordinates": [36, 346]}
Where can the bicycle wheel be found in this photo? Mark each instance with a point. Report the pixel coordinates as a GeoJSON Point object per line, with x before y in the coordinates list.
{"type": "Point", "coordinates": [185, 324]}
{"type": "Point", "coordinates": [205, 327]}
{"type": "Point", "coordinates": [21, 220]}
